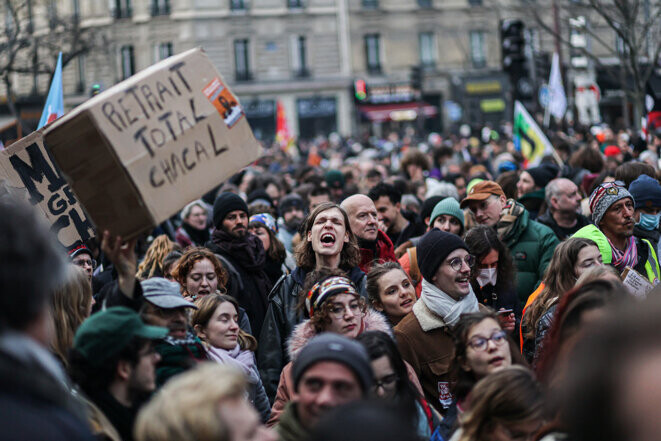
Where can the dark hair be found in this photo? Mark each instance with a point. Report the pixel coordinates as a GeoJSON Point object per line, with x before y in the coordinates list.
{"type": "Point", "coordinates": [414, 156]}
{"type": "Point", "coordinates": [588, 158]}
{"type": "Point", "coordinates": [318, 190]}
{"type": "Point", "coordinates": [465, 380]}
{"type": "Point", "coordinates": [96, 377]}
{"type": "Point", "coordinates": [172, 258]}
{"type": "Point", "coordinates": [452, 178]}
{"type": "Point", "coordinates": [379, 344]}
{"type": "Point", "coordinates": [600, 366]}
{"type": "Point", "coordinates": [629, 172]}
{"type": "Point", "coordinates": [384, 189]}
{"type": "Point", "coordinates": [33, 264]}
{"type": "Point", "coordinates": [507, 181]}
{"type": "Point", "coordinates": [375, 274]}
{"type": "Point", "coordinates": [481, 239]}
{"type": "Point", "coordinates": [304, 254]}
{"type": "Point", "coordinates": [276, 251]}
{"type": "Point", "coordinates": [567, 318]}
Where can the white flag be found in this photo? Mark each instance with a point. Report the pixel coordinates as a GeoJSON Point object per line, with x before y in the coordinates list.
{"type": "Point", "coordinates": [558, 99]}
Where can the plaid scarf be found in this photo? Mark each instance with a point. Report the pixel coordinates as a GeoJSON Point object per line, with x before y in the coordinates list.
{"type": "Point", "coordinates": [508, 217]}
{"type": "Point", "coordinates": [628, 257]}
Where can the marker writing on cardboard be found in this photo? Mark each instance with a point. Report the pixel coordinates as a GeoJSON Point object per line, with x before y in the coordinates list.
{"type": "Point", "coordinates": [147, 98]}
{"type": "Point", "coordinates": [184, 161]}
{"type": "Point", "coordinates": [61, 198]}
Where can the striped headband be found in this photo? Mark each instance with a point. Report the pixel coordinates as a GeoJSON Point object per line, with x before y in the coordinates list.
{"type": "Point", "coordinates": [322, 291]}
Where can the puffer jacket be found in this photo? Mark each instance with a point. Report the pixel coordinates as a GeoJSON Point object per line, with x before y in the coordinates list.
{"type": "Point", "coordinates": [303, 333]}
{"type": "Point", "coordinates": [281, 317]}
{"type": "Point", "coordinates": [531, 245]}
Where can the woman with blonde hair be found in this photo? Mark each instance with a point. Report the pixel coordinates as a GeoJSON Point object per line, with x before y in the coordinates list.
{"type": "Point", "coordinates": [204, 404]}
{"type": "Point", "coordinates": [570, 260]}
{"type": "Point", "coordinates": [216, 323]}
{"type": "Point", "coordinates": [152, 264]}
{"type": "Point", "coordinates": [506, 405]}
{"type": "Point", "coordinates": [72, 303]}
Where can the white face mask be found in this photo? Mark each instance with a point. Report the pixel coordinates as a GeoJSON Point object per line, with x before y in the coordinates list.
{"type": "Point", "coordinates": [487, 276]}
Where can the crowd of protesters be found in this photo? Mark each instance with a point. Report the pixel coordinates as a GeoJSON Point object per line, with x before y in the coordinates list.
{"type": "Point", "coordinates": [443, 289]}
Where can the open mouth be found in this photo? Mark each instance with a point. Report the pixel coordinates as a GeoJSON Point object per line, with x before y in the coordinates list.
{"type": "Point", "coordinates": [327, 239]}
{"type": "Point", "coordinates": [496, 361]}
{"type": "Point", "coordinates": [462, 281]}
{"type": "Point", "coordinates": [406, 303]}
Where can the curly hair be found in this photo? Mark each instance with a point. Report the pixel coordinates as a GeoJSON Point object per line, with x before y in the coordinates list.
{"type": "Point", "coordinates": [305, 255]}
{"type": "Point", "coordinates": [321, 319]}
{"type": "Point", "coordinates": [558, 279]}
{"type": "Point", "coordinates": [186, 263]}
{"type": "Point", "coordinates": [414, 157]}
{"type": "Point", "coordinates": [206, 307]}
{"type": "Point", "coordinates": [152, 264]}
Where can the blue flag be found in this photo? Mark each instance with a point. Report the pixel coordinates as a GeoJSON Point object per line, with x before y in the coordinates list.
{"type": "Point", "coordinates": [54, 107]}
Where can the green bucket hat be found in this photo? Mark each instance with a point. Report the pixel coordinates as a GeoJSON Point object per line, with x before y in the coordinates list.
{"type": "Point", "coordinates": [106, 333]}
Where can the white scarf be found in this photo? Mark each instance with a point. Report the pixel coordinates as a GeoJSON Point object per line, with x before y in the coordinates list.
{"type": "Point", "coordinates": [449, 309]}
{"type": "Point", "coordinates": [237, 357]}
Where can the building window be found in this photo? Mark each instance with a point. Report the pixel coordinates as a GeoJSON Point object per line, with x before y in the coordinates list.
{"type": "Point", "coordinates": [475, 2]}
{"type": "Point", "coordinates": [370, 4]}
{"type": "Point", "coordinates": [242, 60]}
{"type": "Point", "coordinates": [128, 62]}
{"type": "Point", "coordinates": [238, 5]}
{"type": "Point", "coordinates": [123, 9]}
{"type": "Point", "coordinates": [425, 3]}
{"type": "Point", "coordinates": [160, 7]}
{"type": "Point", "coordinates": [299, 56]}
{"type": "Point", "coordinates": [372, 53]}
{"type": "Point", "coordinates": [427, 49]}
{"type": "Point", "coordinates": [294, 4]}
{"type": "Point", "coordinates": [163, 51]}
{"type": "Point", "coordinates": [52, 14]}
{"type": "Point", "coordinates": [478, 54]}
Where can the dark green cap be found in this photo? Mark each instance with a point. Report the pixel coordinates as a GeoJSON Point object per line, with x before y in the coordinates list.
{"type": "Point", "coordinates": [106, 333]}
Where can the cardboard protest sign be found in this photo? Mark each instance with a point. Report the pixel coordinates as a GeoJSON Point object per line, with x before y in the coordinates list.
{"type": "Point", "coordinates": [30, 172]}
{"type": "Point", "coordinates": [636, 283]}
{"type": "Point", "coordinates": [140, 151]}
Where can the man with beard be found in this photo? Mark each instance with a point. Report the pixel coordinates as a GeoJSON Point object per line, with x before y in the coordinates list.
{"type": "Point", "coordinates": [375, 246]}
{"type": "Point", "coordinates": [242, 255]}
{"type": "Point", "coordinates": [113, 361]}
{"type": "Point", "coordinates": [292, 211]}
{"type": "Point", "coordinates": [400, 225]}
{"type": "Point", "coordinates": [165, 306]}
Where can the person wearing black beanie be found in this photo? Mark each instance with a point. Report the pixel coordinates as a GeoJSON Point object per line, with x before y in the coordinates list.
{"type": "Point", "coordinates": [424, 336]}
{"type": "Point", "coordinates": [530, 187]}
{"type": "Point", "coordinates": [243, 256]}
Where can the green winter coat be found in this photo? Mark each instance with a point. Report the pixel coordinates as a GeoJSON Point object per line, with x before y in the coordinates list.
{"type": "Point", "coordinates": [531, 245]}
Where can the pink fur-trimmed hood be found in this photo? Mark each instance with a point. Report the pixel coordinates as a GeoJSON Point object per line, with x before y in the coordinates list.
{"type": "Point", "coordinates": [304, 331]}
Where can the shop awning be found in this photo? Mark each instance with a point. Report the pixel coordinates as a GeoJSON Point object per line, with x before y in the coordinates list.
{"type": "Point", "coordinates": [397, 112]}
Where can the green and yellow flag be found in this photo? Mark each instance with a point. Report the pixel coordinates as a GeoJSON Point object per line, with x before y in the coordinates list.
{"type": "Point", "coordinates": [529, 138]}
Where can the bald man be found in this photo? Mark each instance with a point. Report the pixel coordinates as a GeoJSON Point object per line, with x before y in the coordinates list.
{"type": "Point", "coordinates": [563, 201]}
{"type": "Point", "coordinates": [375, 246]}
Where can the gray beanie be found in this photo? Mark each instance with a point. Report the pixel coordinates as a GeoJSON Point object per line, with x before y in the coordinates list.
{"type": "Point", "coordinates": [604, 196]}
{"type": "Point", "coordinates": [334, 347]}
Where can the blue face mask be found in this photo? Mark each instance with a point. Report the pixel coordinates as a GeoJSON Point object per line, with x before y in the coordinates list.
{"type": "Point", "coordinates": [649, 222]}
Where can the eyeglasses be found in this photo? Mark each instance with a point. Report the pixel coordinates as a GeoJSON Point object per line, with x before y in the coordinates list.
{"type": "Point", "coordinates": [457, 262]}
{"type": "Point", "coordinates": [386, 382]}
{"type": "Point", "coordinates": [85, 262]}
{"type": "Point", "coordinates": [338, 310]}
{"type": "Point", "coordinates": [481, 343]}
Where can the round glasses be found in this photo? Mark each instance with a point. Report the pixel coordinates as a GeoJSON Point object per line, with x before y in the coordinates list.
{"type": "Point", "coordinates": [481, 343]}
{"type": "Point", "coordinates": [85, 262]}
{"type": "Point", "coordinates": [457, 262]}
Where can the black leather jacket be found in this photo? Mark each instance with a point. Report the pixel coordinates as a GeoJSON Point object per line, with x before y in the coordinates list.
{"type": "Point", "coordinates": [281, 318]}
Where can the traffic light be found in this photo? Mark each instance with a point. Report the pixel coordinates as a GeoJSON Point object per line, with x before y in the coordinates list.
{"type": "Point", "coordinates": [512, 44]}
{"type": "Point", "coordinates": [416, 77]}
{"type": "Point", "coordinates": [360, 90]}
